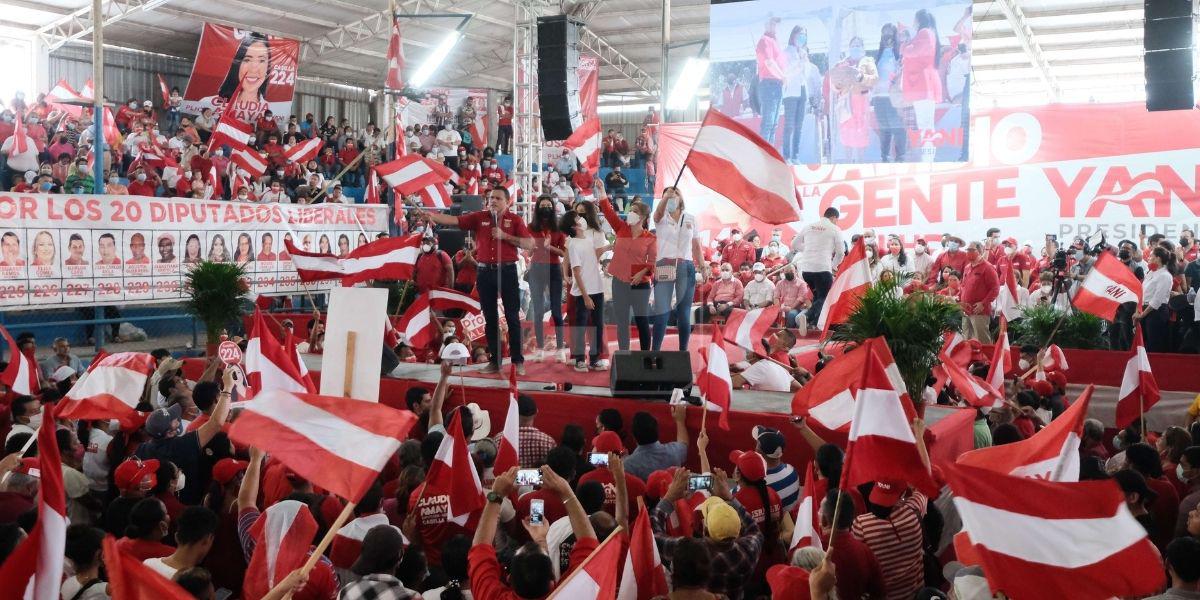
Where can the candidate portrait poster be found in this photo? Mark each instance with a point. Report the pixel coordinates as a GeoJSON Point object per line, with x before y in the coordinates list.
{"type": "Point", "coordinates": [244, 71]}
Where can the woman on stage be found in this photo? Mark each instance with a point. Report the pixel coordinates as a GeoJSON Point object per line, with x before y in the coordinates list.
{"type": "Point", "coordinates": [545, 273]}
{"type": "Point", "coordinates": [889, 123]}
{"type": "Point", "coordinates": [920, 80]}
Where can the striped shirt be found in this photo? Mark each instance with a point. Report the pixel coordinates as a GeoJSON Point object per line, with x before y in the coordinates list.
{"type": "Point", "coordinates": [786, 482]}
{"type": "Point", "coordinates": [897, 544]}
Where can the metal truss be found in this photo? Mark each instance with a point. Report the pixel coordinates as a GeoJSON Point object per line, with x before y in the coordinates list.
{"type": "Point", "coordinates": [1029, 43]}
{"type": "Point", "coordinates": [613, 58]}
{"type": "Point", "coordinates": [79, 23]}
{"type": "Point", "coordinates": [527, 127]}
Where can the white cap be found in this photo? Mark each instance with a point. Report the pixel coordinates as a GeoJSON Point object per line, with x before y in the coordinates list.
{"type": "Point", "coordinates": [147, 103]}
{"type": "Point", "coordinates": [758, 267]}
{"type": "Point", "coordinates": [62, 374]}
{"type": "Point", "coordinates": [481, 420]}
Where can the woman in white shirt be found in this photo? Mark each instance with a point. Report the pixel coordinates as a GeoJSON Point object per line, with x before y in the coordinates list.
{"type": "Point", "coordinates": [675, 271]}
{"type": "Point", "coordinates": [587, 299]}
{"type": "Point", "coordinates": [897, 261]}
{"type": "Point", "coordinates": [1156, 291]}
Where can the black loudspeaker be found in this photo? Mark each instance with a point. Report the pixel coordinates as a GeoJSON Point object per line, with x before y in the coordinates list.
{"type": "Point", "coordinates": [451, 239]}
{"type": "Point", "coordinates": [468, 203]}
{"type": "Point", "coordinates": [650, 374]}
{"type": "Point", "coordinates": [558, 78]}
{"type": "Point", "coordinates": [1167, 41]}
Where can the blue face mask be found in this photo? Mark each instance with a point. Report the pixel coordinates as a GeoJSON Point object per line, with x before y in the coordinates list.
{"type": "Point", "coordinates": [47, 186]}
{"type": "Point", "coordinates": [672, 204]}
{"type": "Point", "coordinates": [802, 39]}
{"type": "Point", "coordinates": [856, 53]}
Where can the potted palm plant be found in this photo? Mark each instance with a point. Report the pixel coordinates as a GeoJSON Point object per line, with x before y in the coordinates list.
{"type": "Point", "coordinates": [216, 293]}
{"type": "Point", "coordinates": [913, 325]}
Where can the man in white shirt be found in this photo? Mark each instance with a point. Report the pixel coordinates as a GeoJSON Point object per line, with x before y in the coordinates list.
{"type": "Point", "coordinates": [819, 249]}
{"type": "Point", "coordinates": [194, 533]}
{"type": "Point", "coordinates": [760, 291]}
{"type": "Point", "coordinates": [765, 375]}
{"type": "Point", "coordinates": [447, 143]}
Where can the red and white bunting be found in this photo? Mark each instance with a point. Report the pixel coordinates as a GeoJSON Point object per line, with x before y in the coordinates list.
{"type": "Point", "coordinates": [596, 579]}
{"type": "Point", "coordinates": [1042, 539]}
{"type": "Point", "coordinates": [304, 151]}
{"type": "Point", "coordinates": [339, 444]}
{"type": "Point", "coordinates": [386, 258]}
{"type": "Point", "coordinates": [508, 448]}
{"type": "Point", "coordinates": [1139, 390]}
{"type": "Point", "coordinates": [22, 374]}
{"type": "Point", "coordinates": [853, 279]}
{"type": "Point", "coordinates": [733, 161]}
{"type": "Point", "coordinates": [36, 565]}
{"type": "Point", "coordinates": [1051, 454]}
{"type": "Point", "coordinates": [747, 328]}
{"type": "Point", "coordinates": [584, 143]}
{"type": "Point", "coordinates": [418, 328]}
{"type": "Point", "coordinates": [808, 513]}
{"type": "Point", "coordinates": [111, 388]}
{"type": "Point", "coordinates": [447, 299]}
{"type": "Point", "coordinates": [643, 576]}
{"type": "Point", "coordinates": [453, 470]}
{"type": "Point", "coordinates": [714, 380]}
{"type": "Point", "coordinates": [270, 365]}
{"type": "Point", "coordinates": [1106, 287]}
{"type": "Point", "coordinates": [395, 65]}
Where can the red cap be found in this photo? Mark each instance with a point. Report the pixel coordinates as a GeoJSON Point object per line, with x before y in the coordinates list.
{"type": "Point", "coordinates": [1042, 387]}
{"type": "Point", "coordinates": [750, 465]}
{"type": "Point", "coordinates": [788, 582]}
{"type": "Point", "coordinates": [1058, 379]}
{"type": "Point", "coordinates": [658, 482]}
{"type": "Point", "coordinates": [887, 493]}
{"type": "Point", "coordinates": [608, 441]}
{"type": "Point", "coordinates": [133, 421]}
{"type": "Point", "coordinates": [226, 469]}
{"type": "Point", "coordinates": [135, 472]}
{"type": "Point", "coordinates": [29, 466]}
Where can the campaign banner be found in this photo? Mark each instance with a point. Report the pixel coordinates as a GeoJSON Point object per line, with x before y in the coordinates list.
{"type": "Point", "coordinates": [1063, 169]}
{"type": "Point", "coordinates": [60, 250]}
{"type": "Point", "coordinates": [263, 65]}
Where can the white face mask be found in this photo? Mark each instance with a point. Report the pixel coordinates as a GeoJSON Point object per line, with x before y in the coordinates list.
{"type": "Point", "coordinates": [141, 177]}
{"type": "Point", "coordinates": [633, 219]}
{"type": "Point", "coordinates": [1023, 364]}
{"type": "Point", "coordinates": [1009, 251]}
{"type": "Point", "coordinates": [243, 197]}
{"type": "Point", "coordinates": [1045, 289]}
{"type": "Point", "coordinates": [180, 481]}
{"type": "Point", "coordinates": [726, 274]}
{"type": "Point", "coordinates": [426, 247]}
{"type": "Point", "coordinates": [737, 237]}
{"type": "Point", "coordinates": [919, 249]}
{"type": "Point", "coordinates": [672, 204]}
{"type": "Point", "coordinates": [759, 277]}
{"type": "Point", "coordinates": [35, 421]}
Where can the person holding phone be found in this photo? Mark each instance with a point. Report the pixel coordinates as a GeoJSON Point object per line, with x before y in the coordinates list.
{"type": "Point", "coordinates": [561, 460]}
{"type": "Point", "coordinates": [606, 443]}
{"type": "Point", "coordinates": [652, 455]}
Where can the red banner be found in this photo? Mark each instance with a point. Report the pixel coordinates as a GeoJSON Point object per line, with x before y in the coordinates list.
{"type": "Point", "coordinates": [263, 65]}
{"type": "Point", "coordinates": [1059, 169]}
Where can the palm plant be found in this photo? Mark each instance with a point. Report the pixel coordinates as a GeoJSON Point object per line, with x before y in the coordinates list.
{"type": "Point", "coordinates": [1078, 329]}
{"type": "Point", "coordinates": [216, 294]}
{"type": "Point", "coordinates": [912, 325]}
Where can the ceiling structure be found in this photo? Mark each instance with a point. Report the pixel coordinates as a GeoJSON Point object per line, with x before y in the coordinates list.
{"type": "Point", "coordinates": [1025, 51]}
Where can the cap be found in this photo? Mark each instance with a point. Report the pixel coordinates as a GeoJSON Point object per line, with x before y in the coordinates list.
{"type": "Point", "coordinates": [526, 407]}
{"type": "Point", "coordinates": [29, 466]}
{"type": "Point", "coordinates": [608, 441]}
{"type": "Point", "coordinates": [887, 493]}
{"type": "Point", "coordinates": [63, 373]}
{"type": "Point", "coordinates": [1042, 387]}
{"type": "Point", "coordinates": [481, 420]}
{"type": "Point", "coordinates": [788, 582]}
{"type": "Point", "coordinates": [133, 421]}
{"type": "Point", "coordinates": [758, 267]}
{"type": "Point", "coordinates": [1012, 241]}
{"type": "Point", "coordinates": [226, 469]}
{"type": "Point", "coordinates": [720, 519]}
{"type": "Point", "coordinates": [770, 441]}
{"type": "Point", "coordinates": [135, 473]}
{"type": "Point", "coordinates": [750, 465]}
{"type": "Point", "coordinates": [160, 421]}
{"type": "Point", "coordinates": [658, 482]}
{"type": "Point", "coordinates": [1058, 379]}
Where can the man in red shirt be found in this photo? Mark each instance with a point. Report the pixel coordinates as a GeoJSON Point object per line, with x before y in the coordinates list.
{"type": "Point", "coordinates": [499, 233]}
{"type": "Point", "coordinates": [465, 270]}
{"type": "Point", "coordinates": [266, 125]}
{"type": "Point", "coordinates": [346, 155]}
{"type": "Point", "coordinates": [504, 116]}
{"type": "Point", "coordinates": [609, 442]}
{"type": "Point", "coordinates": [584, 182]}
{"type": "Point", "coordinates": [952, 257]}
{"type": "Point", "coordinates": [141, 184]}
{"type": "Point", "coordinates": [980, 286]}
{"type": "Point", "coordinates": [992, 246]}
{"type": "Point", "coordinates": [433, 268]}
{"type": "Point", "coordinates": [274, 151]}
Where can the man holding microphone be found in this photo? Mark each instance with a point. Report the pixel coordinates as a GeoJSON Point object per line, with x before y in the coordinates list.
{"type": "Point", "coordinates": [498, 234]}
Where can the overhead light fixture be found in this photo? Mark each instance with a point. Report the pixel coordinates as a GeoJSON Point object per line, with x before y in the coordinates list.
{"type": "Point", "coordinates": [688, 82]}
{"type": "Point", "coordinates": [435, 59]}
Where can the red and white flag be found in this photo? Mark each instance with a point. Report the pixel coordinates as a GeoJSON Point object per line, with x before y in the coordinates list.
{"type": "Point", "coordinates": [733, 161]}
{"type": "Point", "coordinates": [508, 448]}
{"type": "Point", "coordinates": [21, 374]}
{"type": "Point", "coordinates": [374, 192]}
{"type": "Point", "coordinates": [386, 258]}
{"type": "Point", "coordinates": [881, 444]}
{"type": "Point", "coordinates": [453, 470]}
{"type": "Point", "coordinates": [1054, 359]}
{"type": "Point", "coordinates": [248, 159]}
{"type": "Point", "coordinates": [23, 143]}
{"type": "Point", "coordinates": [340, 444]}
{"type": "Point", "coordinates": [747, 328]}
{"type": "Point", "coordinates": [398, 128]}
{"type": "Point", "coordinates": [852, 281]}
{"type": "Point", "coordinates": [88, 91]}
{"type": "Point", "coordinates": [473, 185]}
{"type": "Point", "coordinates": [283, 534]}
{"type": "Point", "coordinates": [130, 579]}
{"type": "Point", "coordinates": [479, 128]}
{"type": "Point", "coordinates": [828, 398]}
{"type": "Point", "coordinates": [1043, 539]}
{"type": "Point", "coordinates": [304, 151]}
{"type": "Point", "coordinates": [1051, 454]}
{"type": "Point", "coordinates": [584, 143]}
{"type": "Point", "coordinates": [166, 91]}
{"type": "Point", "coordinates": [1139, 390]}
{"type": "Point", "coordinates": [1106, 287]}
{"type": "Point", "coordinates": [347, 542]}
{"type": "Point", "coordinates": [643, 577]}
{"type": "Point", "coordinates": [596, 578]}
{"type": "Point", "coordinates": [447, 299]}
{"type": "Point", "coordinates": [63, 92]}
{"type": "Point", "coordinates": [808, 517]}
{"type": "Point", "coordinates": [973, 390]}
{"type": "Point", "coordinates": [395, 66]}
{"type": "Point", "coordinates": [435, 195]}
{"type": "Point", "coordinates": [714, 380]}
{"type": "Point", "coordinates": [270, 365]}
{"type": "Point", "coordinates": [1008, 302]}
{"type": "Point", "coordinates": [955, 348]}
{"type": "Point", "coordinates": [214, 178]}
{"type": "Point", "coordinates": [111, 389]}
{"type": "Point", "coordinates": [1002, 360]}
{"type": "Point", "coordinates": [418, 328]}
{"type": "Point", "coordinates": [236, 183]}
{"type": "Point", "coordinates": [513, 188]}
{"type": "Point", "coordinates": [36, 565]}
{"type": "Point", "coordinates": [230, 131]}
{"type": "Point", "coordinates": [409, 174]}
{"type": "Point", "coordinates": [109, 127]}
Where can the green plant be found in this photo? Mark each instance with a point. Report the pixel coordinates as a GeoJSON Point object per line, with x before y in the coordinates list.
{"type": "Point", "coordinates": [216, 293]}
{"type": "Point", "coordinates": [913, 326]}
{"type": "Point", "coordinates": [1078, 330]}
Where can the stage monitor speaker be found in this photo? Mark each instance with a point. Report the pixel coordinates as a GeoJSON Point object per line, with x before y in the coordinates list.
{"type": "Point", "coordinates": [451, 239]}
{"type": "Point", "coordinates": [1167, 9]}
{"type": "Point", "coordinates": [558, 78]}
{"type": "Point", "coordinates": [1169, 84]}
{"type": "Point", "coordinates": [650, 374]}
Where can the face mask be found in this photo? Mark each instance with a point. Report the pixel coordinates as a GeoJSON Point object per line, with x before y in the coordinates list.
{"type": "Point", "coordinates": [47, 186]}
{"type": "Point", "coordinates": [133, 105]}
{"type": "Point", "coordinates": [919, 249]}
{"type": "Point", "coordinates": [112, 180]}
{"type": "Point", "coordinates": [1078, 255]}
{"type": "Point", "coordinates": [1023, 364]}
{"type": "Point", "coordinates": [952, 246]}
{"type": "Point", "coordinates": [856, 53]}
{"type": "Point", "coordinates": [759, 277]}
{"type": "Point", "coordinates": [1123, 255]}
{"type": "Point", "coordinates": [426, 247]}
{"type": "Point", "coordinates": [180, 482]}
{"type": "Point", "coordinates": [1179, 472]}
{"type": "Point", "coordinates": [1009, 251]}
{"type": "Point", "coordinates": [243, 197]}
{"type": "Point", "coordinates": [35, 421]}
{"type": "Point", "coordinates": [141, 177]}
{"type": "Point", "coordinates": [633, 219]}
{"type": "Point", "coordinates": [419, 229]}
{"type": "Point", "coordinates": [672, 204]}
{"type": "Point", "coordinates": [802, 39]}
{"type": "Point", "coordinates": [1116, 443]}
{"type": "Point", "coordinates": [737, 237]}
{"type": "Point", "coordinates": [1045, 289]}
{"type": "Point", "coordinates": [726, 274]}
{"type": "Point", "coordinates": [789, 276]}
{"type": "Point", "coordinates": [71, 126]}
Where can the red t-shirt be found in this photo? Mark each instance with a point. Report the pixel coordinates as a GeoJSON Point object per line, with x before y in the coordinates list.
{"type": "Point", "coordinates": [487, 578]}
{"type": "Point", "coordinates": [432, 527]}
{"type": "Point", "coordinates": [543, 239]}
{"type": "Point", "coordinates": [464, 274]}
{"type": "Point", "coordinates": [634, 487]}
{"type": "Point", "coordinates": [144, 549]}
{"type": "Point", "coordinates": [480, 223]}
{"type": "Point", "coordinates": [142, 188]}
{"type": "Point", "coordinates": [584, 181]}
{"type": "Point", "coordinates": [431, 270]}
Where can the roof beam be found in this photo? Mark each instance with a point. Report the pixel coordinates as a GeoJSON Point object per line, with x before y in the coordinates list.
{"type": "Point", "coordinates": [1067, 12]}
{"type": "Point", "coordinates": [38, 6]}
{"type": "Point", "coordinates": [1029, 43]}
{"type": "Point", "coordinates": [1119, 43]}
{"type": "Point", "coordinates": [79, 23]}
{"type": "Point", "coordinates": [1066, 30]}
{"type": "Point", "coordinates": [613, 58]}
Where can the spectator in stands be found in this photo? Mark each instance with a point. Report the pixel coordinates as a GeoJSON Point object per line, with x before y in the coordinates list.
{"type": "Point", "coordinates": [726, 294]}
{"type": "Point", "coordinates": [433, 268]}
{"type": "Point", "coordinates": [652, 455]}
{"type": "Point", "coordinates": [565, 165]}
{"type": "Point", "coordinates": [615, 183]}
{"type": "Point", "coordinates": [760, 291]}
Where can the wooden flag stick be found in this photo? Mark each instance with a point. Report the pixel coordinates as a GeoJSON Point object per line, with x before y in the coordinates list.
{"type": "Point", "coordinates": [837, 510]}
{"type": "Point", "coordinates": [348, 376]}
{"type": "Point", "coordinates": [325, 541]}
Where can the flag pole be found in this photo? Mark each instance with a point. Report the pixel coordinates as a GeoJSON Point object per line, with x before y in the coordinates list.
{"type": "Point", "coordinates": [837, 511]}
{"type": "Point", "coordinates": [319, 551]}
{"type": "Point", "coordinates": [338, 177]}
{"type": "Point", "coordinates": [348, 377]}
{"type": "Point", "coordinates": [579, 569]}
{"type": "Point", "coordinates": [689, 155]}
{"type": "Point", "coordinates": [1045, 345]}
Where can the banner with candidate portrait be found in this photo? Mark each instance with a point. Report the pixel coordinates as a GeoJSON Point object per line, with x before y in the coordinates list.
{"type": "Point", "coordinates": [60, 250]}
{"type": "Point", "coordinates": [846, 81]}
{"type": "Point", "coordinates": [244, 71]}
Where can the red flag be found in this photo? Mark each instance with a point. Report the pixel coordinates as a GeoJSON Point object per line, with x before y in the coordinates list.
{"type": "Point", "coordinates": [479, 128]}
{"type": "Point", "coordinates": [395, 56]}
{"type": "Point", "coordinates": [398, 128]}
{"type": "Point", "coordinates": [973, 390]}
{"type": "Point", "coordinates": [453, 470]}
{"type": "Point", "coordinates": [434, 196]}
{"type": "Point", "coordinates": [1002, 362]}
{"type": "Point", "coordinates": [747, 328]}
{"type": "Point", "coordinates": [418, 329]}
{"type": "Point", "coordinates": [714, 380]}
{"type": "Point", "coordinates": [584, 143]}
{"type": "Point", "coordinates": [643, 577]}
{"type": "Point", "coordinates": [1106, 287]}
{"type": "Point", "coordinates": [283, 537]}
{"type": "Point", "coordinates": [386, 258]}
{"type": "Point", "coordinates": [111, 388]}
{"type": "Point", "coordinates": [409, 174]}
{"type": "Point", "coordinates": [853, 279]}
{"type": "Point", "coordinates": [508, 449]}
{"type": "Point", "coordinates": [40, 557]}
{"type": "Point", "coordinates": [1054, 359]}
{"type": "Point", "coordinates": [129, 579]}
{"type": "Point", "coordinates": [374, 193]}
{"type": "Point", "coordinates": [269, 365]}
{"type": "Point", "coordinates": [1139, 390]}
{"type": "Point", "coordinates": [1041, 539]}
{"type": "Point", "coordinates": [808, 517]}
{"type": "Point", "coordinates": [340, 444]}
{"type": "Point", "coordinates": [1051, 454]}
{"type": "Point", "coordinates": [109, 127]}
{"type": "Point", "coordinates": [63, 92]}
{"type": "Point", "coordinates": [21, 375]}
{"type": "Point", "coordinates": [596, 578]}
{"type": "Point", "coordinates": [304, 151]}
{"type": "Point", "coordinates": [514, 190]}
{"type": "Point", "coordinates": [955, 349]}
{"type": "Point", "coordinates": [215, 179]}
{"type": "Point", "coordinates": [230, 131]}
{"type": "Point", "coordinates": [447, 299]}
{"type": "Point", "coordinates": [881, 445]}
{"type": "Point", "coordinates": [733, 161]}
{"type": "Point", "coordinates": [21, 145]}
{"type": "Point", "coordinates": [166, 91]}
{"type": "Point", "coordinates": [248, 159]}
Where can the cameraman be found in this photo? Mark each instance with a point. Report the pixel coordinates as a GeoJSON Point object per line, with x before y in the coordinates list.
{"type": "Point", "coordinates": [1084, 261]}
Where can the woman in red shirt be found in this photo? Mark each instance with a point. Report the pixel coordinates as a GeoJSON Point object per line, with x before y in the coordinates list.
{"type": "Point", "coordinates": [545, 272]}
{"type": "Point", "coordinates": [632, 269]}
{"type": "Point", "coordinates": [920, 80]}
{"type": "Point", "coordinates": [348, 153]}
